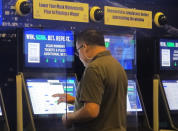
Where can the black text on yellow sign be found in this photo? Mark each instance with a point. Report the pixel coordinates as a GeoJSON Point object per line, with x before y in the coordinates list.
{"type": "Point", "coordinates": [127, 17]}
{"type": "Point", "coordinates": [60, 10]}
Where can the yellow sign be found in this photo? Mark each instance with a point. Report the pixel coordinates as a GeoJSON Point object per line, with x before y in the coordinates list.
{"type": "Point", "coordinates": [127, 17]}
{"type": "Point", "coordinates": [60, 10]}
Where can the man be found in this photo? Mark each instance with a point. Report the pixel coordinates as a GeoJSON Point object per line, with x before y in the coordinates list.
{"type": "Point", "coordinates": [100, 103]}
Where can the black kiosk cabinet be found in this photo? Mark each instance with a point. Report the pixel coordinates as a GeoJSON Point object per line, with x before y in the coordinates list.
{"type": "Point", "coordinates": [45, 68]}
{"type": "Point", "coordinates": [167, 87]}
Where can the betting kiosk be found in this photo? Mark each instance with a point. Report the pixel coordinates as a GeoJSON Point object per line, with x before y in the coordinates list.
{"type": "Point", "coordinates": [123, 48]}
{"type": "Point", "coordinates": [46, 63]}
{"type": "Point", "coordinates": [4, 126]}
{"type": "Point", "coordinates": [167, 83]}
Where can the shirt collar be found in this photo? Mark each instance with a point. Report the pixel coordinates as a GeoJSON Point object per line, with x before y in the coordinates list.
{"type": "Point", "coordinates": [101, 54]}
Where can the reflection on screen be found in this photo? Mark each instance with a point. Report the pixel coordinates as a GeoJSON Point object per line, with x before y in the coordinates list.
{"type": "Point", "coordinates": [169, 54]}
{"type": "Point", "coordinates": [133, 100]}
{"type": "Point", "coordinates": [122, 48]}
{"type": "Point", "coordinates": [0, 111]}
{"type": "Point", "coordinates": [48, 48]}
{"type": "Point", "coordinates": [41, 91]}
{"type": "Point", "coordinates": [171, 91]}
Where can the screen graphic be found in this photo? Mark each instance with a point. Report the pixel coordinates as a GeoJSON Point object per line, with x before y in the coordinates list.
{"type": "Point", "coordinates": [168, 54]}
{"type": "Point", "coordinates": [48, 48]}
{"type": "Point", "coordinates": [171, 91]}
{"type": "Point", "coordinates": [122, 48]}
{"type": "Point", "coordinates": [41, 91]}
{"type": "Point", "coordinates": [133, 100]}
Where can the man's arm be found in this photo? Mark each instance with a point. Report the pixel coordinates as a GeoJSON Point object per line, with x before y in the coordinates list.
{"type": "Point", "coordinates": [88, 112]}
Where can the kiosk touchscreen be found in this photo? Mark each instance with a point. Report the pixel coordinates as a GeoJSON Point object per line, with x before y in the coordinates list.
{"type": "Point", "coordinates": [133, 99]}
{"type": "Point", "coordinates": [41, 90]}
{"type": "Point", "coordinates": [171, 92]}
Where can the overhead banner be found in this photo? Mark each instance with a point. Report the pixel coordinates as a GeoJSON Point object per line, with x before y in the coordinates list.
{"type": "Point", "coordinates": [127, 17]}
{"type": "Point", "coordinates": [60, 10]}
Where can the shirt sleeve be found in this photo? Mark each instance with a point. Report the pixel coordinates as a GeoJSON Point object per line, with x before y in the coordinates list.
{"type": "Point", "coordinates": [91, 85]}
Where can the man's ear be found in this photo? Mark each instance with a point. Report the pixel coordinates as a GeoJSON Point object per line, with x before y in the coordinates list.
{"type": "Point", "coordinates": [84, 45]}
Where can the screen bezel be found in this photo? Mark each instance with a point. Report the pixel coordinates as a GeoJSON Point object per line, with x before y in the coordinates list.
{"type": "Point", "coordinates": [46, 76]}
{"type": "Point", "coordinates": [132, 71]}
{"type": "Point", "coordinates": [21, 54]}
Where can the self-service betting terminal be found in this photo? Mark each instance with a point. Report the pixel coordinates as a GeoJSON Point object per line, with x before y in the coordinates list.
{"type": "Point", "coordinates": [167, 52]}
{"type": "Point", "coordinates": [46, 63]}
{"type": "Point", "coordinates": [4, 126]}
{"type": "Point", "coordinates": [123, 48]}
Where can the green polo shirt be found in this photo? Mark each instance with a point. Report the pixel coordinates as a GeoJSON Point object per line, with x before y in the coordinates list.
{"type": "Point", "coordinates": [104, 82]}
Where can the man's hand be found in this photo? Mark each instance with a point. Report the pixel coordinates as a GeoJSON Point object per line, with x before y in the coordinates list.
{"type": "Point", "coordinates": [64, 98]}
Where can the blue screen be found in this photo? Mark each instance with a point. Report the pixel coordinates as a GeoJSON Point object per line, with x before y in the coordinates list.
{"type": "Point", "coordinates": [168, 54]}
{"type": "Point", "coordinates": [122, 48]}
{"type": "Point", "coordinates": [41, 91]}
{"type": "Point", "coordinates": [48, 48]}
